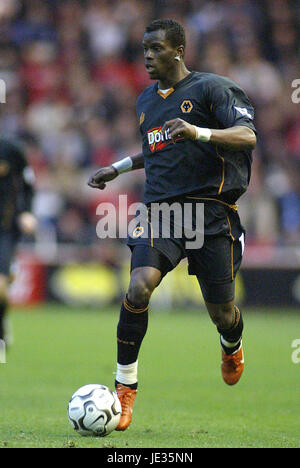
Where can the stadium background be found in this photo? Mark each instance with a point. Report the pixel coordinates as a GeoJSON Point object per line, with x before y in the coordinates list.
{"type": "Point", "coordinates": [73, 70]}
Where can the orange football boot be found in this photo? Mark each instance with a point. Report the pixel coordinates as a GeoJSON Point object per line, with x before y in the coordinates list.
{"type": "Point", "coordinates": [232, 366]}
{"type": "Point", "coordinates": [126, 396]}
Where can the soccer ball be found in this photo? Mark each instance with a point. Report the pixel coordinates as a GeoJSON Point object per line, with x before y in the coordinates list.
{"type": "Point", "coordinates": [94, 410]}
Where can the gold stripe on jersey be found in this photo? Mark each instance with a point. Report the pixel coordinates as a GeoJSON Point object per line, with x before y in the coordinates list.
{"type": "Point", "coordinates": [223, 163]}
{"type": "Point", "coordinates": [223, 171]}
{"type": "Point", "coordinates": [142, 118]}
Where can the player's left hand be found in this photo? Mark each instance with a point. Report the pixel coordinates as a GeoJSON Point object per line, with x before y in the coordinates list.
{"type": "Point", "coordinates": [179, 128]}
{"type": "Point", "coordinates": [27, 223]}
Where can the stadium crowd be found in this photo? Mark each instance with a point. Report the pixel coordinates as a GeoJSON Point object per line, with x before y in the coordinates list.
{"type": "Point", "coordinates": [74, 69]}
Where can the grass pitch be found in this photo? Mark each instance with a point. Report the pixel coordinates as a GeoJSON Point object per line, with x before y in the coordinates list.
{"type": "Point", "coordinates": [182, 400]}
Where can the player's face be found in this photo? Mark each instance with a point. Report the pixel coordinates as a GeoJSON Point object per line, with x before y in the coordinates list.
{"type": "Point", "coordinates": [159, 55]}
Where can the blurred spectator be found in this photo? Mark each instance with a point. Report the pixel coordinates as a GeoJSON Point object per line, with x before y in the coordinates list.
{"type": "Point", "coordinates": [74, 69]}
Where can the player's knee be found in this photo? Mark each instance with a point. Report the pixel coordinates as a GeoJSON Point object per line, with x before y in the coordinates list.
{"type": "Point", "coordinates": [221, 314]}
{"type": "Point", "coordinates": [139, 293]}
{"type": "Point", "coordinates": [141, 286]}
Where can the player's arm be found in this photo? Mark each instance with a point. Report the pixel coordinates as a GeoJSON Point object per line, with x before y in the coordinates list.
{"type": "Point", "coordinates": [108, 173]}
{"type": "Point", "coordinates": [232, 111]}
{"type": "Point", "coordinates": [238, 137]}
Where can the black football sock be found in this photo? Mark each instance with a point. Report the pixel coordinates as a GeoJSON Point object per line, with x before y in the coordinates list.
{"type": "Point", "coordinates": [131, 330]}
{"type": "Point", "coordinates": [3, 308]}
{"type": "Point", "coordinates": [133, 386]}
{"type": "Point", "coordinates": [232, 335]}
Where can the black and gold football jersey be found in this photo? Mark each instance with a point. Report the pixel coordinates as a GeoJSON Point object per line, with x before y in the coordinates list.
{"type": "Point", "coordinates": [186, 166]}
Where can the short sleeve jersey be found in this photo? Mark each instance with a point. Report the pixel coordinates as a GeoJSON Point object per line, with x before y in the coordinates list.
{"type": "Point", "coordinates": [206, 100]}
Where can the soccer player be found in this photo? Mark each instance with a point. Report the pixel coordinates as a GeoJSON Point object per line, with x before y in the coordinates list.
{"type": "Point", "coordinates": [198, 136]}
{"type": "Point", "coordinates": [16, 189]}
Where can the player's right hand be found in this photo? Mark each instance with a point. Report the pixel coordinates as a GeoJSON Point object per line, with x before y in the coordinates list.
{"type": "Point", "coordinates": [103, 175]}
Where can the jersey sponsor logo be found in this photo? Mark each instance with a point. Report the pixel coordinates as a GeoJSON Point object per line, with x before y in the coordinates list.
{"type": "Point", "coordinates": [186, 106]}
{"type": "Point", "coordinates": [158, 140]}
{"type": "Point", "coordinates": [243, 111]}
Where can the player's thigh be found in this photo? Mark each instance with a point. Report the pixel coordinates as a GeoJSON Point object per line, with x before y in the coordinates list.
{"type": "Point", "coordinates": [216, 265]}
{"type": "Point", "coordinates": [148, 267]}
{"type": "Point", "coordinates": [217, 295]}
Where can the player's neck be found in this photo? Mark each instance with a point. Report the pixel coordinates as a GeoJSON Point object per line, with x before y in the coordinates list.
{"type": "Point", "coordinates": [175, 76]}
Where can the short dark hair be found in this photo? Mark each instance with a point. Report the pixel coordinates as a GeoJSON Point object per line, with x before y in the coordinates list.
{"type": "Point", "coordinates": [174, 31]}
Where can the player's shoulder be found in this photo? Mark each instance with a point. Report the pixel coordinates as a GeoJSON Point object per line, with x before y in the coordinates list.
{"type": "Point", "coordinates": [218, 86]}
{"type": "Point", "coordinates": [212, 80]}
{"type": "Point", "coordinates": [207, 83]}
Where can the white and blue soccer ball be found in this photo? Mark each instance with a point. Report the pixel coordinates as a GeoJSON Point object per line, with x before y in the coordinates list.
{"type": "Point", "coordinates": [94, 410]}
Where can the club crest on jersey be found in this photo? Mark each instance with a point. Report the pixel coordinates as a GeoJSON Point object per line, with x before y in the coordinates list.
{"type": "Point", "coordinates": [158, 140]}
{"type": "Point", "coordinates": [186, 106]}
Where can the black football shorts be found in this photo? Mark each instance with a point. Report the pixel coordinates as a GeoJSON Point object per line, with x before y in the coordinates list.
{"type": "Point", "coordinates": [215, 262]}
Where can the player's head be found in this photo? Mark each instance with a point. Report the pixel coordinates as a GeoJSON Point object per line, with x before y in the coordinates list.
{"type": "Point", "coordinates": [164, 44]}
{"type": "Point", "coordinates": [175, 34]}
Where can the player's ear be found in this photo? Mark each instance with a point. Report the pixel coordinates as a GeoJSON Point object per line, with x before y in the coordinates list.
{"type": "Point", "coordinates": [180, 53]}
